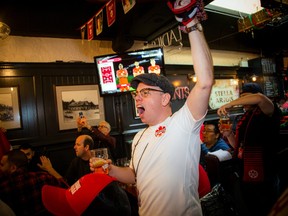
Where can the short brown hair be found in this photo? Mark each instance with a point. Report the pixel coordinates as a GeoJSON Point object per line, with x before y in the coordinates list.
{"type": "Point", "coordinates": [17, 158]}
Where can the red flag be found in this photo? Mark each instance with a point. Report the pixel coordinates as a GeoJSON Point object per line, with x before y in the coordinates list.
{"type": "Point", "coordinates": [90, 34]}
{"type": "Point", "coordinates": [99, 22]}
{"type": "Point", "coordinates": [111, 12]}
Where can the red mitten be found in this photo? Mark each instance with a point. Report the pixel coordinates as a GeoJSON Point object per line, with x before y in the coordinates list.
{"type": "Point", "coordinates": [186, 10]}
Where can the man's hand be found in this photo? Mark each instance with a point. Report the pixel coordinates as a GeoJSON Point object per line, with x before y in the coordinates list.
{"type": "Point", "coordinates": [186, 10]}
{"type": "Point", "coordinates": [224, 110]}
{"type": "Point", "coordinates": [82, 123]}
{"type": "Point", "coordinates": [93, 165]}
{"type": "Point", "coordinates": [46, 164]}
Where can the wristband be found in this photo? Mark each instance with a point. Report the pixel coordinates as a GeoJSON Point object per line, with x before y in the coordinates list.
{"type": "Point", "coordinates": [186, 29]}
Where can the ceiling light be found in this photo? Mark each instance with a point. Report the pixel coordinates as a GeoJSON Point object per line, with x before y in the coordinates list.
{"type": "Point", "coordinates": [235, 8]}
{"type": "Point", "coordinates": [4, 30]}
{"type": "Point", "coordinates": [254, 78]}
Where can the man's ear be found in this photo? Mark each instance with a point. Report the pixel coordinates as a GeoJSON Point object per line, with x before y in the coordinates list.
{"type": "Point", "coordinates": [166, 99]}
{"type": "Point", "coordinates": [87, 147]}
{"type": "Point", "coordinates": [13, 168]}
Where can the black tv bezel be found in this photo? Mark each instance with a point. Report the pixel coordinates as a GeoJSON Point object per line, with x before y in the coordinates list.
{"type": "Point", "coordinates": [124, 56]}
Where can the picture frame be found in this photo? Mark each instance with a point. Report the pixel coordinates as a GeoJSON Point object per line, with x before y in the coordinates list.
{"type": "Point", "coordinates": [71, 100]}
{"type": "Point", "coordinates": [9, 108]}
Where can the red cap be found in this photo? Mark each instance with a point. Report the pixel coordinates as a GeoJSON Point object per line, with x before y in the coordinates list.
{"type": "Point", "coordinates": [76, 199]}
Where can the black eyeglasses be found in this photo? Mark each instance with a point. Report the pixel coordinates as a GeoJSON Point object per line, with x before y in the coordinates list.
{"type": "Point", "coordinates": [102, 126]}
{"type": "Point", "coordinates": [144, 92]}
{"type": "Point", "coordinates": [208, 131]}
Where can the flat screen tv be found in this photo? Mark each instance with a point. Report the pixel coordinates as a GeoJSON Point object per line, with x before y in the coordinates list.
{"type": "Point", "coordinates": [115, 71]}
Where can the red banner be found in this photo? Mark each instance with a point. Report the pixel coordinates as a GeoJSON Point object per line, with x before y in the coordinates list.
{"type": "Point", "coordinates": [111, 12]}
{"type": "Point", "coordinates": [99, 22]}
{"type": "Point", "coordinates": [90, 33]}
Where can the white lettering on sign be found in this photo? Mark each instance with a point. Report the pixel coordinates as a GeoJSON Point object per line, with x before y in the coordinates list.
{"type": "Point", "coordinates": [181, 93]}
{"type": "Point", "coordinates": [223, 92]}
{"type": "Point", "coordinates": [168, 38]}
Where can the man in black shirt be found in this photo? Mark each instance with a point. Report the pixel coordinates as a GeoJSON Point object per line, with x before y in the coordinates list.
{"type": "Point", "coordinates": [79, 166]}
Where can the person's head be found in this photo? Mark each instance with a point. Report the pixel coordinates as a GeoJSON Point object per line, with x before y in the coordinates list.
{"type": "Point", "coordinates": [28, 150]}
{"type": "Point", "coordinates": [120, 66]}
{"type": "Point", "coordinates": [93, 194]}
{"type": "Point", "coordinates": [104, 127]}
{"type": "Point", "coordinates": [211, 133]}
{"type": "Point", "coordinates": [127, 2]}
{"type": "Point", "coordinates": [83, 145]}
{"type": "Point", "coordinates": [250, 88]}
{"type": "Point", "coordinates": [152, 96]}
{"type": "Point", "coordinates": [12, 161]}
{"type": "Point", "coordinates": [136, 63]}
{"type": "Point", "coordinates": [152, 61]}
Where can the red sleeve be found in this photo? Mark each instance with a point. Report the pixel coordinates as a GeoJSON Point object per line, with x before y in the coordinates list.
{"type": "Point", "coordinates": [204, 186]}
{"type": "Point", "coordinates": [5, 145]}
{"type": "Point", "coordinates": [109, 139]}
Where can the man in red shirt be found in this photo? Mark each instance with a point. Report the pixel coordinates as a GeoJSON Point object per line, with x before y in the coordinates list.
{"type": "Point", "coordinates": [20, 189]}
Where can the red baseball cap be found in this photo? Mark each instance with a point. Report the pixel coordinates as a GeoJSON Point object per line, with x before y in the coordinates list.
{"type": "Point", "coordinates": [76, 199]}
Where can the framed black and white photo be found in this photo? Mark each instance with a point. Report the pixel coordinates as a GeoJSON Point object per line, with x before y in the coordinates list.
{"type": "Point", "coordinates": [9, 108]}
{"type": "Point", "coordinates": [78, 98]}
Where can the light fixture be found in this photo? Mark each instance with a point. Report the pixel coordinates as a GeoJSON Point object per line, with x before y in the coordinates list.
{"type": "Point", "coordinates": [192, 77]}
{"type": "Point", "coordinates": [4, 30]}
{"type": "Point", "coordinates": [235, 8]}
{"type": "Point", "coordinates": [254, 78]}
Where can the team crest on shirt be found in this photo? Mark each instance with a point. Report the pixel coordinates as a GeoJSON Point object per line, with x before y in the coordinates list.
{"type": "Point", "coordinates": [160, 131]}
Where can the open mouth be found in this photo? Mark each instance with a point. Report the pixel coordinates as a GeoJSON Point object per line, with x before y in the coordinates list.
{"type": "Point", "coordinates": [140, 110]}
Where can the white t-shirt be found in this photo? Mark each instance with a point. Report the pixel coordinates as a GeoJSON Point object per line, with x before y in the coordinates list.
{"type": "Point", "coordinates": [166, 160]}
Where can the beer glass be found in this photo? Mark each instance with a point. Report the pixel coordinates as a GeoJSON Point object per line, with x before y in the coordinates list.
{"type": "Point", "coordinates": [98, 159]}
{"type": "Point", "coordinates": [225, 122]}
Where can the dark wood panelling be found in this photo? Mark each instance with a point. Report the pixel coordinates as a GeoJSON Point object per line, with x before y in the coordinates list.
{"type": "Point", "coordinates": [38, 108]}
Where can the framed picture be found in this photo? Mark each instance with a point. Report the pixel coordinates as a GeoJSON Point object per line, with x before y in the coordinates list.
{"type": "Point", "coordinates": [71, 100]}
{"type": "Point", "coordinates": [9, 108]}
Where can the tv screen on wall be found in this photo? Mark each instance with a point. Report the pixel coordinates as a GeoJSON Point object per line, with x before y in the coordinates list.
{"type": "Point", "coordinates": [115, 71]}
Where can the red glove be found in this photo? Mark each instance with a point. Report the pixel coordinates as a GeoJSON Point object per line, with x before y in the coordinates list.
{"type": "Point", "coordinates": [186, 10]}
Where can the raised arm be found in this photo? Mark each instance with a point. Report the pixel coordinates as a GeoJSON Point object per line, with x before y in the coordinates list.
{"type": "Point", "coordinates": [189, 14]}
{"type": "Point", "coordinates": [46, 165]}
{"type": "Point", "coordinates": [106, 138]}
{"type": "Point", "coordinates": [198, 98]}
{"type": "Point", "coordinates": [263, 102]}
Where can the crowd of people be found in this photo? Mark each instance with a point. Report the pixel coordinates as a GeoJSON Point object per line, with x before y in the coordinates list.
{"type": "Point", "coordinates": [166, 157]}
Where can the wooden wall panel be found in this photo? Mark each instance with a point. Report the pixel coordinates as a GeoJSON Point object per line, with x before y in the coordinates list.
{"type": "Point", "coordinates": [37, 82]}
